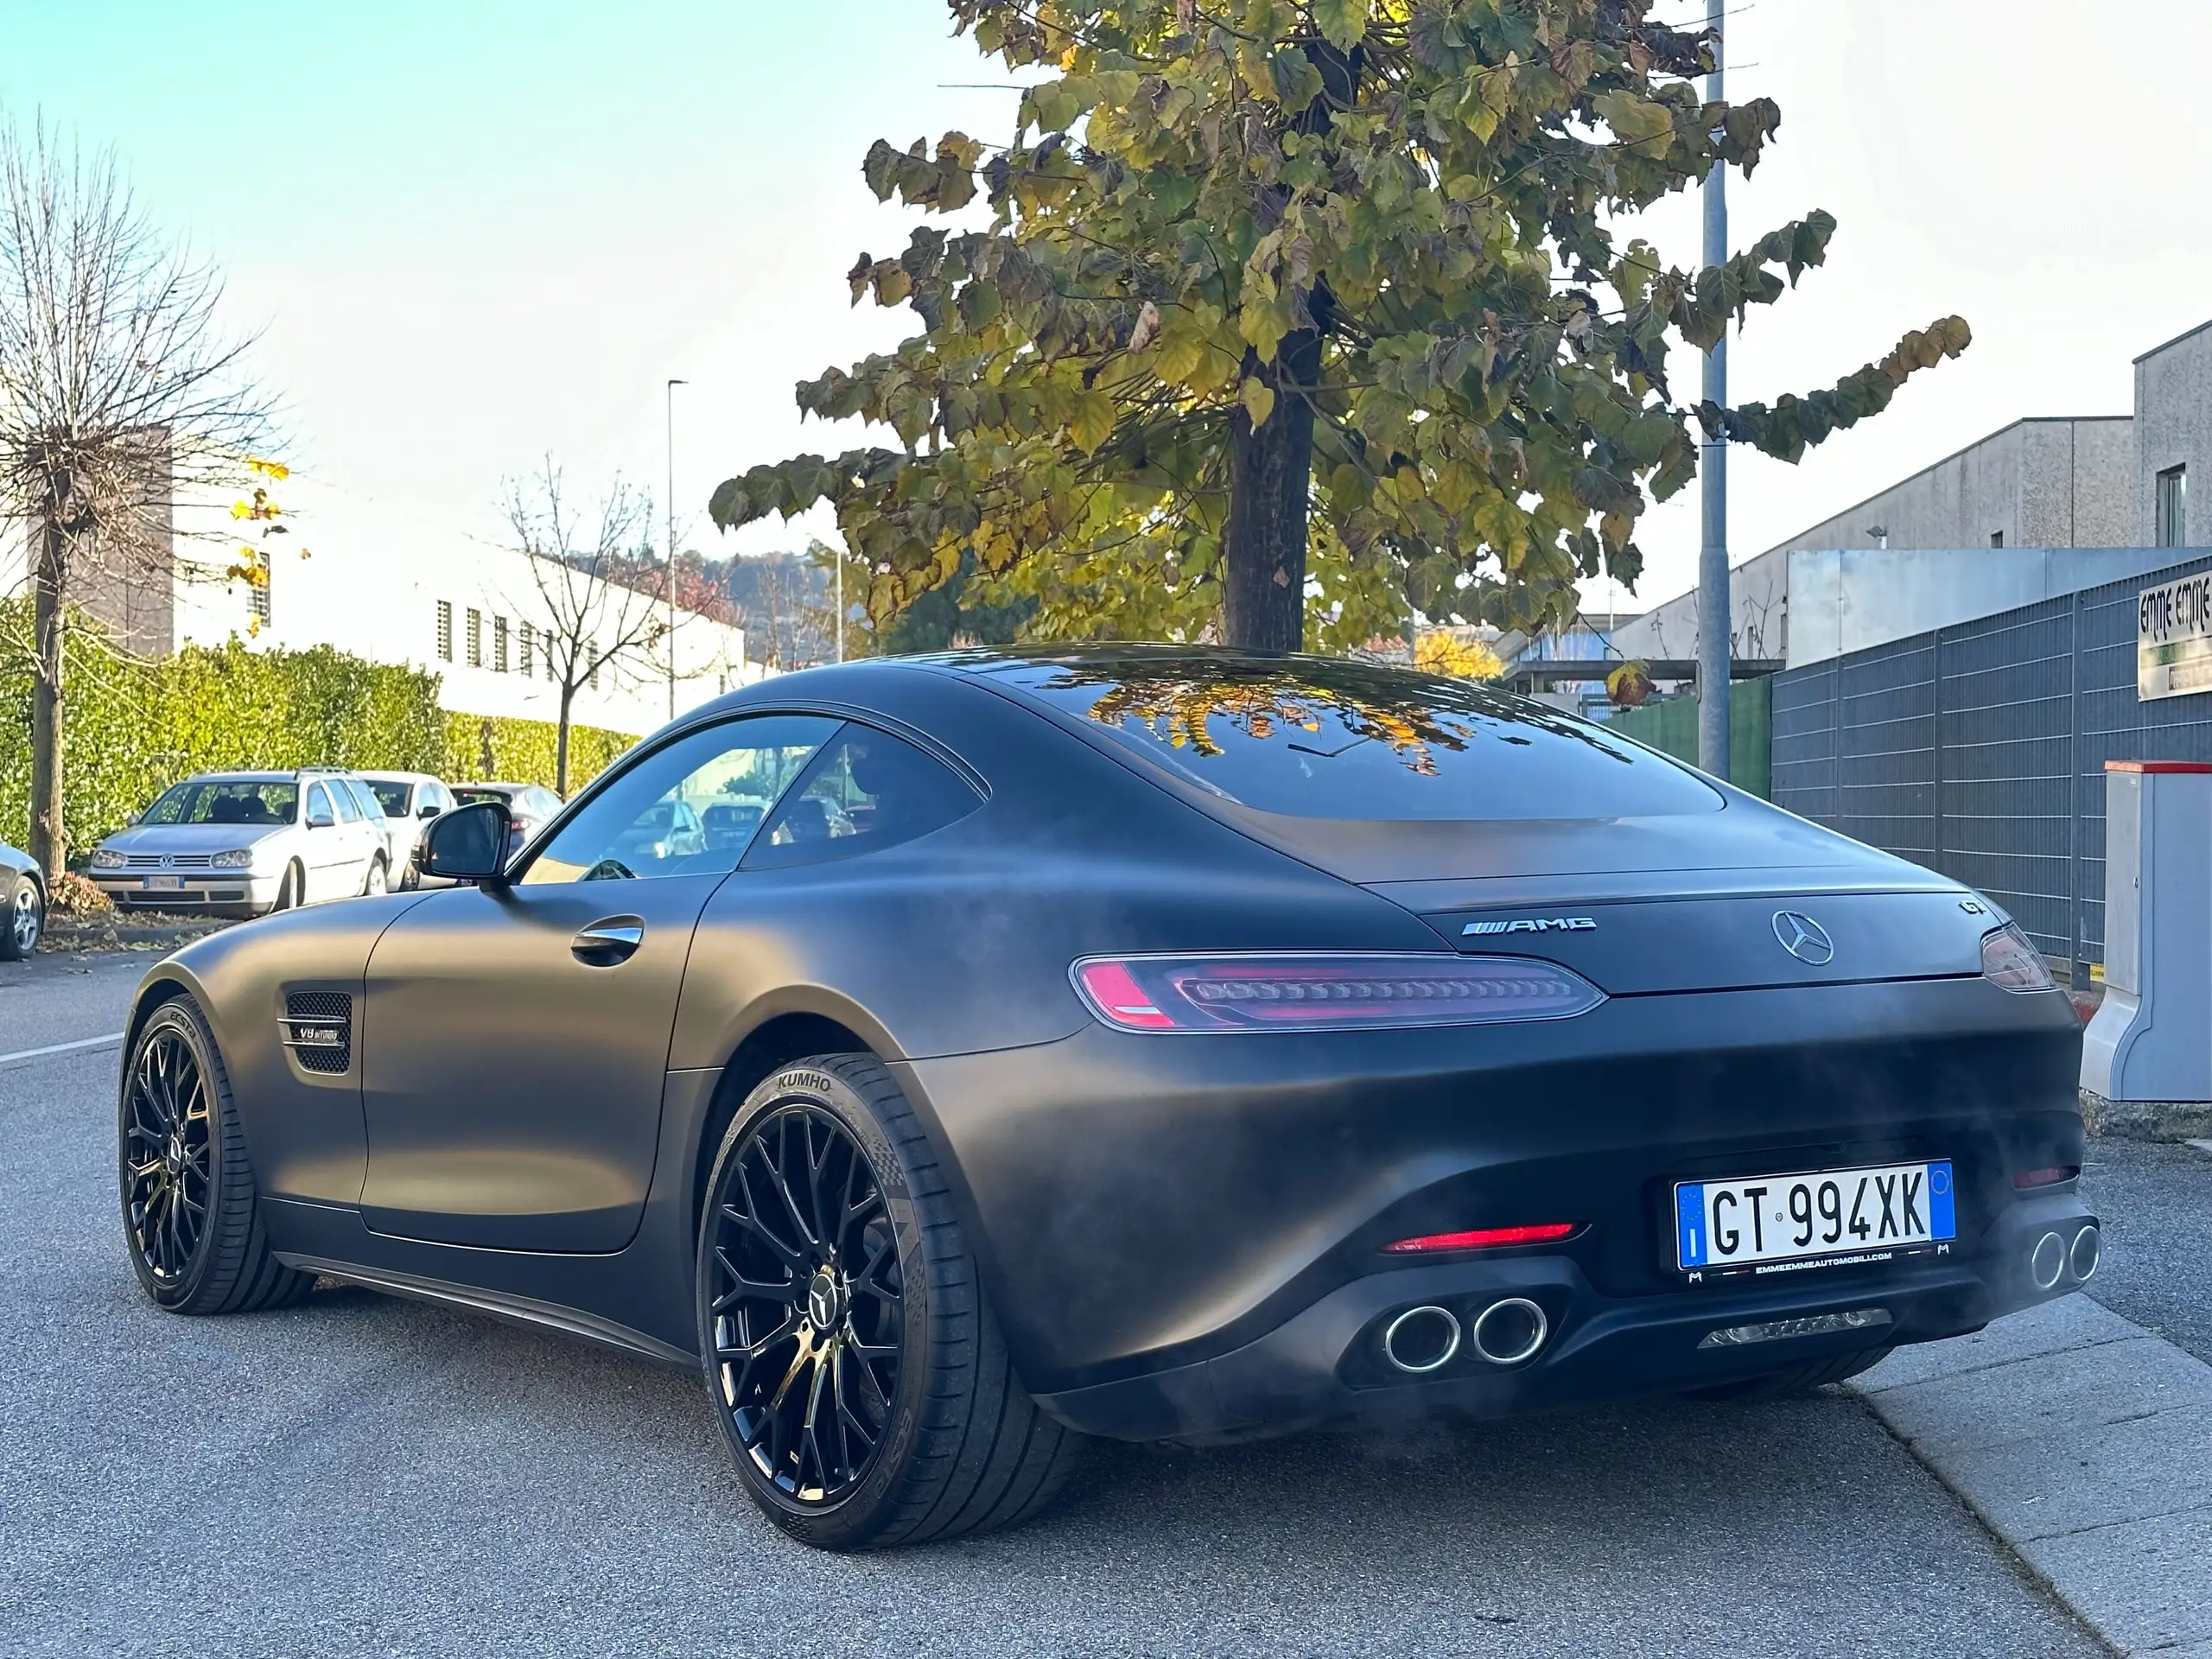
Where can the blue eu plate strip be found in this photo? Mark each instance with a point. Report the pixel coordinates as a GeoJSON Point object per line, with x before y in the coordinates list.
{"type": "Point", "coordinates": [1942, 1199]}
{"type": "Point", "coordinates": [1689, 1223]}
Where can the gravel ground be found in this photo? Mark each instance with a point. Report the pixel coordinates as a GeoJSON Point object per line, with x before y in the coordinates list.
{"type": "Point", "coordinates": [369, 1476]}
{"type": "Point", "coordinates": [2156, 1203]}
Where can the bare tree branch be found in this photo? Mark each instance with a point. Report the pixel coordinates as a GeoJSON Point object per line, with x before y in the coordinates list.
{"type": "Point", "coordinates": [591, 620]}
{"type": "Point", "coordinates": [116, 388]}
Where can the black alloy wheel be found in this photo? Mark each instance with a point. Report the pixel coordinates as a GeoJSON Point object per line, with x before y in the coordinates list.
{"type": "Point", "coordinates": [854, 1365]}
{"type": "Point", "coordinates": [805, 1294]}
{"type": "Point", "coordinates": [191, 1215]}
{"type": "Point", "coordinates": [165, 1154]}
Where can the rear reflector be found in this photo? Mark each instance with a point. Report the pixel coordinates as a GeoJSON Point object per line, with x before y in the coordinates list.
{"type": "Point", "coordinates": [1326, 991]}
{"type": "Point", "coordinates": [2025, 1178]}
{"type": "Point", "coordinates": [1484, 1238]}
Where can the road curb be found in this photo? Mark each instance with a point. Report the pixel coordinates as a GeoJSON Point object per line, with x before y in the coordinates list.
{"type": "Point", "coordinates": [2085, 1444]}
{"type": "Point", "coordinates": [2146, 1120]}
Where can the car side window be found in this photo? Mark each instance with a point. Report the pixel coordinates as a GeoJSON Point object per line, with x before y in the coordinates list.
{"type": "Point", "coordinates": [319, 805]}
{"type": "Point", "coordinates": [656, 817]}
{"type": "Point", "coordinates": [349, 809]}
{"type": "Point", "coordinates": [866, 790]}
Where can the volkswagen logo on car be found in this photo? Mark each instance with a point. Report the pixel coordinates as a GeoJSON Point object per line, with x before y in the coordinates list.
{"type": "Point", "coordinates": [1803, 937]}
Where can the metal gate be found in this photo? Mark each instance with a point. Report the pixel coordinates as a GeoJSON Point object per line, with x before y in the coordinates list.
{"type": "Point", "coordinates": [1979, 750]}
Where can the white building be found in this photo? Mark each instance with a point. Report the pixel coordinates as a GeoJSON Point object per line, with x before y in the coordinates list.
{"type": "Point", "coordinates": [391, 588]}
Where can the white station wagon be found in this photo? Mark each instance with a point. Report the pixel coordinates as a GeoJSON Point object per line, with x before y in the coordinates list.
{"type": "Point", "coordinates": [241, 844]}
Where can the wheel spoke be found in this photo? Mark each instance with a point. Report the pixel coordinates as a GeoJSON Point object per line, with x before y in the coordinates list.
{"type": "Point", "coordinates": [802, 1242]}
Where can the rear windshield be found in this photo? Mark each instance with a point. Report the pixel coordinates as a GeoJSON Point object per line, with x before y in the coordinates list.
{"type": "Point", "coordinates": [390, 796]}
{"type": "Point", "coordinates": [1318, 739]}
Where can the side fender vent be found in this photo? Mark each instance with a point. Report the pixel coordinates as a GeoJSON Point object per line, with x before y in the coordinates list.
{"type": "Point", "coordinates": [318, 1027]}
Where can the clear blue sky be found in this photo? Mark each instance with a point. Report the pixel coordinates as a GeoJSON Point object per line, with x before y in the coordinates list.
{"type": "Point", "coordinates": [474, 232]}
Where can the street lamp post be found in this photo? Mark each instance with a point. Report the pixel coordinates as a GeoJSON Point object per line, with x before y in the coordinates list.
{"type": "Point", "coordinates": [669, 392]}
{"type": "Point", "coordinates": [1714, 626]}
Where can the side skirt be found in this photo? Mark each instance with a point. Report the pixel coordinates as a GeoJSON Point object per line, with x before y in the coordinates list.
{"type": "Point", "coordinates": [515, 1310]}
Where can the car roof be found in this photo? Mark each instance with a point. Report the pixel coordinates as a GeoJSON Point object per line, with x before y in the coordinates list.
{"type": "Point", "coordinates": [400, 778]}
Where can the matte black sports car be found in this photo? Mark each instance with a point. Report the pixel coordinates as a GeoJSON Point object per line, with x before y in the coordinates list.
{"type": "Point", "coordinates": [1142, 1043]}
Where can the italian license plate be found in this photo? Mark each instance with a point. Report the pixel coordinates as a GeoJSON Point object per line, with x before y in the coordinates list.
{"type": "Point", "coordinates": [1828, 1218]}
{"type": "Point", "coordinates": [161, 883]}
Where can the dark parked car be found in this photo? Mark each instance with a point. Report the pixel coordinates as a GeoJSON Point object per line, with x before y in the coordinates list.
{"type": "Point", "coordinates": [1142, 1043]}
{"type": "Point", "coordinates": [23, 904]}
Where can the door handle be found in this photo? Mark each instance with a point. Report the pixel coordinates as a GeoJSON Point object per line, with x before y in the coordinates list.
{"type": "Point", "coordinates": [603, 944]}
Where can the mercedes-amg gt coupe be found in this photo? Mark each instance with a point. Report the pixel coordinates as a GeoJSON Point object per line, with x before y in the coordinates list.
{"type": "Point", "coordinates": [1153, 1043]}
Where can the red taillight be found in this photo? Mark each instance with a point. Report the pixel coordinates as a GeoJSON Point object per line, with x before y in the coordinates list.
{"type": "Point", "coordinates": [2026, 1179]}
{"type": "Point", "coordinates": [2007, 959]}
{"type": "Point", "coordinates": [1319, 991]}
{"type": "Point", "coordinates": [1484, 1238]}
{"type": "Point", "coordinates": [1116, 998]}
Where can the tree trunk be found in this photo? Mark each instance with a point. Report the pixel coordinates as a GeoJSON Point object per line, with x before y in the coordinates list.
{"type": "Point", "coordinates": [1270, 489]}
{"type": "Point", "coordinates": [49, 847]}
{"type": "Point", "coordinates": [561, 742]}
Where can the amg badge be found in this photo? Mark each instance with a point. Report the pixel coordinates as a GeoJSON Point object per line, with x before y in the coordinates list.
{"type": "Point", "coordinates": [1532, 925]}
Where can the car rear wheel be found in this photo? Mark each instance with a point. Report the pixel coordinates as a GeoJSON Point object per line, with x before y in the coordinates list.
{"type": "Point", "coordinates": [375, 881]}
{"type": "Point", "coordinates": [190, 1210]}
{"type": "Point", "coordinates": [1798, 1379]}
{"type": "Point", "coordinates": [854, 1365]}
{"type": "Point", "coordinates": [23, 918]}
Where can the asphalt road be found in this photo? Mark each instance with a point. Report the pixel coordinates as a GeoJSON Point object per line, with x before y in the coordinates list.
{"type": "Point", "coordinates": [362, 1475]}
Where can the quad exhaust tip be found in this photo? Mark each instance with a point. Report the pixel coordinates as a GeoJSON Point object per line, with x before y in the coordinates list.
{"type": "Point", "coordinates": [1509, 1332]}
{"type": "Point", "coordinates": [2047, 1262]}
{"type": "Point", "coordinates": [2088, 1250]}
{"type": "Point", "coordinates": [1421, 1340]}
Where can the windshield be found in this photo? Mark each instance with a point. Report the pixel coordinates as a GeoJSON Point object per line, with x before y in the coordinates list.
{"type": "Point", "coordinates": [1320, 739]}
{"type": "Point", "coordinates": [226, 800]}
{"type": "Point", "coordinates": [392, 798]}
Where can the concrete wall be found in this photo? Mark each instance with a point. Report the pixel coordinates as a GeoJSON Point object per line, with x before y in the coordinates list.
{"type": "Point", "coordinates": [1758, 614]}
{"type": "Point", "coordinates": [2036, 483]}
{"type": "Point", "coordinates": [2173, 427]}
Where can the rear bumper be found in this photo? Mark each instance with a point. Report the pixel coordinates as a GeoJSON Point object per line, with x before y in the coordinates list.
{"type": "Point", "coordinates": [1184, 1235]}
{"type": "Point", "coordinates": [1324, 1364]}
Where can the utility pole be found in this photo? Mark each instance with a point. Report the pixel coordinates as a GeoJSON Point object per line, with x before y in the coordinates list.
{"type": "Point", "coordinates": [841, 605]}
{"type": "Point", "coordinates": [1713, 627]}
{"type": "Point", "coordinates": [669, 392]}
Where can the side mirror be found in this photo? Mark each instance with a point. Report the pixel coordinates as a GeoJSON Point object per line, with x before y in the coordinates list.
{"type": "Point", "coordinates": [319, 818]}
{"type": "Point", "coordinates": [469, 843]}
{"type": "Point", "coordinates": [428, 809]}
{"type": "Point", "coordinates": [133, 816]}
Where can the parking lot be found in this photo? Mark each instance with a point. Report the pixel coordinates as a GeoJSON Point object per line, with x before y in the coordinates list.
{"type": "Point", "coordinates": [366, 1474]}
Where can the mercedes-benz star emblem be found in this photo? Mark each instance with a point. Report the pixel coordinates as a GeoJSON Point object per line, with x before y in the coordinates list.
{"type": "Point", "coordinates": [1803, 937]}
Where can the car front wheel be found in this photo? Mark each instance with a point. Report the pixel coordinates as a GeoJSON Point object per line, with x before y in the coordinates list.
{"type": "Point", "coordinates": [854, 1364]}
{"type": "Point", "coordinates": [23, 918]}
{"type": "Point", "coordinates": [191, 1215]}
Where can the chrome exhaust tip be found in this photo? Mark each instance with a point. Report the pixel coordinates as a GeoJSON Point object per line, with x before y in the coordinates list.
{"type": "Point", "coordinates": [1509, 1332]}
{"type": "Point", "coordinates": [1421, 1340]}
{"type": "Point", "coordinates": [2047, 1262]}
{"type": "Point", "coordinates": [2088, 1250]}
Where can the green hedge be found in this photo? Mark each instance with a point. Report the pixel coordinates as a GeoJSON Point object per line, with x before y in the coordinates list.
{"type": "Point", "coordinates": [133, 727]}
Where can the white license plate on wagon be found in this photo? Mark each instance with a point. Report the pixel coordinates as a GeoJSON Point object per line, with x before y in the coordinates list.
{"type": "Point", "coordinates": [161, 883]}
{"type": "Point", "coordinates": [1826, 1217]}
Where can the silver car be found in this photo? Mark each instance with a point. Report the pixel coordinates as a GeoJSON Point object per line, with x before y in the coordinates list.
{"type": "Point", "coordinates": [241, 844]}
{"type": "Point", "coordinates": [410, 800]}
